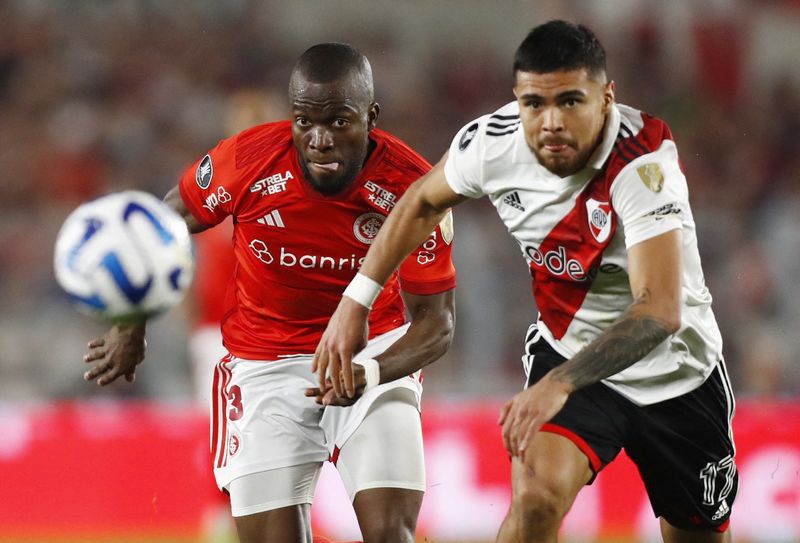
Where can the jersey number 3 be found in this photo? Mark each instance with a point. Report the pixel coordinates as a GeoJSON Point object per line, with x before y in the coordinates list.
{"type": "Point", "coordinates": [235, 401]}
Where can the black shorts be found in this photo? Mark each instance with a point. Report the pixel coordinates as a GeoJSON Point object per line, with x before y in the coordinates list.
{"type": "Point", "coordinates": [683, 447]}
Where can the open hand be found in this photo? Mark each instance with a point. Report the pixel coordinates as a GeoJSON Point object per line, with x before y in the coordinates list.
{"type": "Point", "coordinates": [115, 354]}
{"type": "Point", "coordinates": [524, 414]}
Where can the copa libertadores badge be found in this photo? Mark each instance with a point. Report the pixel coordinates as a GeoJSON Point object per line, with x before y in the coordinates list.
{"type": "Point", "coordinates": [204, 173]}
{"type": "Point", "coordinates": [467, 136]}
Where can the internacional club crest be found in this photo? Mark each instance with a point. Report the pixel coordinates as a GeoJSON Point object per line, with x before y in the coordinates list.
{"type": "Point", "coordinates": [234, 444]}
{"type": "Point", "coordinates": [367, 226]}
{"type": "Point", "coordinates": [599, 216]}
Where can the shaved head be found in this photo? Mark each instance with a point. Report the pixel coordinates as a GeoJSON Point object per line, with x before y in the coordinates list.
{"type": "Point", "coordinates": [333, 111]}
{"type": "Point", "coordinates": [334, 62]}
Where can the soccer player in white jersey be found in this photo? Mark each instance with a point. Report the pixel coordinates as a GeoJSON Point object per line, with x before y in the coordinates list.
{"type": "Point", "coordinates": [307, 196]}
{"type": "Point", "coordinates": [625, 351]}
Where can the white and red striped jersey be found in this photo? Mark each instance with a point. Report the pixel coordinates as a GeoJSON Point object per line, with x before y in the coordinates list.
{"type": "Point", "coordinates": [296, 250]}
{"type": "Point", "coordinates": [574, 233]}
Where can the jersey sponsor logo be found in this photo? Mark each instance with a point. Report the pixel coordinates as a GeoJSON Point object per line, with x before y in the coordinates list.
{"type": "Point", "coordinates": [366, 227]}
{"type": "Point", "coordinates": [222, 196]}
{"type": "Point", "coordinates": [426, 255]}
{"type": "Point", "coordinates": [289, 259]}
{"type": "Point", "coordinates": [600, 217]}
{"type": "Point", "coordinates": [667, 209]}
{"type": "Point", "coordinates": [652, 176]}
{"type": "Point", "coordinates": [261, 251]}
{"type": "Point", "coordinates": [204, 172]}
{"type": "Point", "coordinates": [379, 196]}
{"type": "Point", "coordinates": [272, 184]}
{"type": "Point", "coordinates": [557, 263]}
{"type": "Point", "coordinates": [514, 201]}
{"type": "Point", "coordinates": [273, 218]}
{"type": "Point", "coordinates": [467, 137]}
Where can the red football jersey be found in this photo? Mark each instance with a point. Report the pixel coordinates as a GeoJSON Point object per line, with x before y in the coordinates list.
{"type": "Point", "coordinates": [296, 250]}
{"type": "Point", "coordinates": [215, 265]}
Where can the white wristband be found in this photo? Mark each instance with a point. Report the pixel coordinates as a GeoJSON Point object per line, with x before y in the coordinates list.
{"type": "Point", "coordinates": [372, 371]}
{"type": "Point", "coordinates": [363, 290]}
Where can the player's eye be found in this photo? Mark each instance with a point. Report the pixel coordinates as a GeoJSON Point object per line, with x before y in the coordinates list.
{"type": "Point", "coordinates": [571, 102]}
{"type": "Point", "coordinates": [302, 122]}
{"type": "Point", "coordinates": [535, 105]}
{"type": "Point", "coordinates": [341, 123]}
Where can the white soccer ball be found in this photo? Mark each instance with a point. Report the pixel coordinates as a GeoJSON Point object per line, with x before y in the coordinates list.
{"type": "Point", "coordinates": [125, 256]}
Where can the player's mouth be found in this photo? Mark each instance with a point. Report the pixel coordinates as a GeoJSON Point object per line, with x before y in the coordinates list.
{"type": "Point", "coordinates": [555, 147]}
{"type": "Point", "coordinates": [324, 167]}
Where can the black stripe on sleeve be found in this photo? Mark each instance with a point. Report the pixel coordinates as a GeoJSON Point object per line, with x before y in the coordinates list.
{"type": "Point", "coordinates": [495, 125]}
{"type": "Point", "coordinates": [502, 133]}
{"type": "Point", "coordinates": [623, 151]}
{"type": "Point", "coordinates": [504, 117]}
{"type": "Point", "coordinates": [633, 140]}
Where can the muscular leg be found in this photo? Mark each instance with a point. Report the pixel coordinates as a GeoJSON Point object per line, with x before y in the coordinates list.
{"type": "Point", "coordinates": [671, 534]}
{"type": "Point", "coordinates": [274, 506]}
{"type": "Point", "coordinates": [388, 514]}
{"type": "Point", "coordinates": [383, 469]}
{"type": "Point", "coordinates": [544, 487]}
{"type": "Point", "coordinates": [285, 525]}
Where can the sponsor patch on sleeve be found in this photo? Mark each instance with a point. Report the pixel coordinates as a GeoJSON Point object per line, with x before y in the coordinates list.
{"type": "Point", "coordinates": [204, 172]}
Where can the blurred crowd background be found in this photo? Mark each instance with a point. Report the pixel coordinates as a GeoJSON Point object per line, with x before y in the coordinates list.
{"type": "Point", "coordinates": [104, 95]}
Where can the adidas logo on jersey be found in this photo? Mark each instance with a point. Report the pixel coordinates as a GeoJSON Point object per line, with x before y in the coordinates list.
{"type": "Point", "coordinates": [514, 201]}
{"type": "Point", "coordinates": [273, 218]}
{"type": "Point", "coordinates": [722, 511]}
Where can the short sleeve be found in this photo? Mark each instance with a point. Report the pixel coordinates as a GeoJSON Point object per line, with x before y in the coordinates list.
{"type": "Point", "coordinates": [210, 186]}
{"type": "Point", "coordinates": [650, 195]}
{"type": "Point", "coordinates": [429, 269]}
{"type": "Point", "coordinates": [463, 167]}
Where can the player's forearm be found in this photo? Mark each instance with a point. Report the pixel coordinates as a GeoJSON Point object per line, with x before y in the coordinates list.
{"type": "Point", "coordinates": [408, 225]}
{"type": "Point", "coordinates": [620, 346]}
{"type": "Point", "coordinates": [173, 199]}
{"type": "Point", "coordinates": [427, 339]}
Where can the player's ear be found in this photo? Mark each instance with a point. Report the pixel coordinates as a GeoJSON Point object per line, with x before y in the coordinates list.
{"type": "Point", "coordinates": [372, 115]}
{"type": "Point", "coordinates": [608, 95]}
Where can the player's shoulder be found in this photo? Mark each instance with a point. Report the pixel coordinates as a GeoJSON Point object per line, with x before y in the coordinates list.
{"type": "Point", "coordinates": [260, 142]}
{"type": "Point", "coordinates": [639, 134]}
{"type": "Point", "coordinates": [491, 132]}
{"type": "Point", "coordinates": [397, 155]}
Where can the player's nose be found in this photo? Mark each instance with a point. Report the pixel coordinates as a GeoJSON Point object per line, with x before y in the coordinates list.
{"type": "Point", "coordinates": [321, 139]}
{"type": "Point", "coordinates": [552, 120]}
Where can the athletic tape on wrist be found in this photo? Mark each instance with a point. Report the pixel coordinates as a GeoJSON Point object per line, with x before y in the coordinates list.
{"type": "Point", "coordinates": [372, 371]}
{"type": "Point", "coordinates": [363, 290]}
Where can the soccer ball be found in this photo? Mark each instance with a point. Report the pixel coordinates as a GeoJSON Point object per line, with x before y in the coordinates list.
{"type": "Point", "coordinates": [124, 257]}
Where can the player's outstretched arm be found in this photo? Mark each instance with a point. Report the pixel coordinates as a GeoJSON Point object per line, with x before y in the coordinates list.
{"type": "Point", "coordinates": [173, 199]}
{"type": "Point", "coordinates": [121, 349]}
{"type": "Point", "coordinates": [427, 339]}
{"type": "Point", "coordinates": [414, 217]}
{"type": "Point", "coordinates": [654, 270]}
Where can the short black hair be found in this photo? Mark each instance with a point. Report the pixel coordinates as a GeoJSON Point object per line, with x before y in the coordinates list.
{"type": "Point", "coordinates": [558, 46]}
{"type": "Point", "coordinates": [327, 62]}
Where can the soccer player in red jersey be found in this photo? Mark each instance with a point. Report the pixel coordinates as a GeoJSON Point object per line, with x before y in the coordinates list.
{"type": "Point", "coordinates": [307, 197]}
{"type": "Point", "coordinates": [625, 351]}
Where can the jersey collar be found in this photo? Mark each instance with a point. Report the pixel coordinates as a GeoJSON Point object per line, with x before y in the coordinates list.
{"type": "Point", "coordinates": [610, 132]}
{"type": "Point", "coordinates": [523, 155]}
